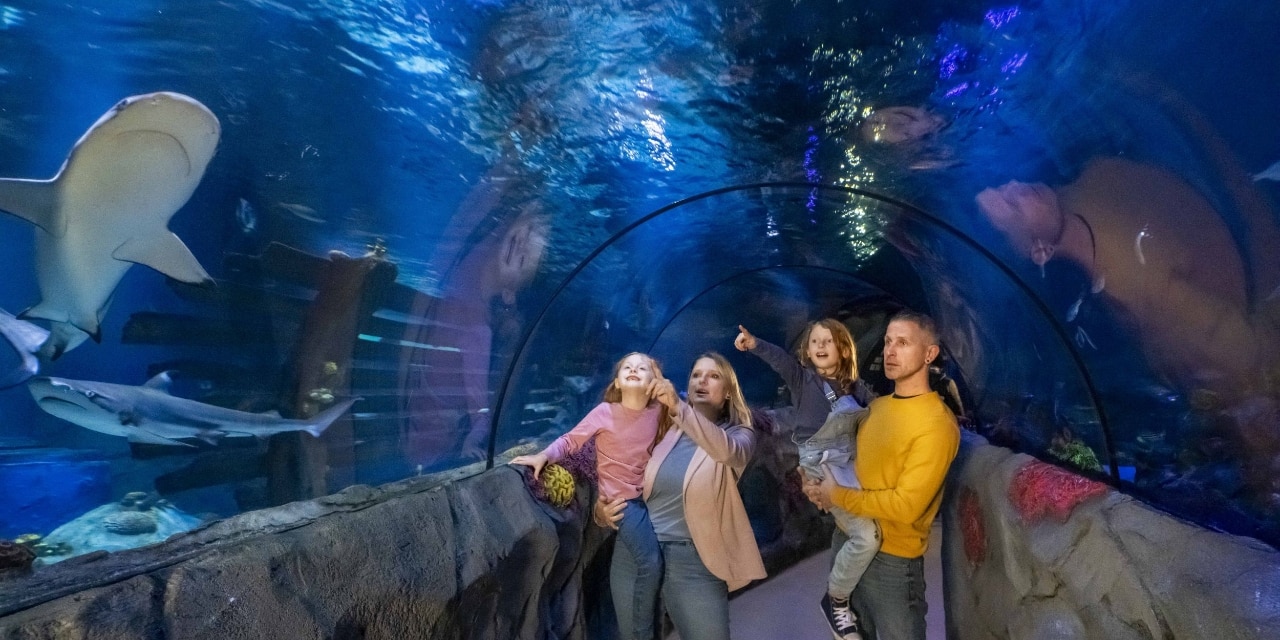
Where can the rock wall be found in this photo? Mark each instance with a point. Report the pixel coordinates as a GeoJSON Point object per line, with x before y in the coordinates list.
{"type": "Point", "coordinates": [1031, 551]}
{"type": "Point", "coordinates": [450, 556]}
{"type": "Point", "coordinates": [475, 558]}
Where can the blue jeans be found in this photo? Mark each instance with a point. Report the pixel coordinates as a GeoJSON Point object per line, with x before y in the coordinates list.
{"type": "Point", "coordinates": [635, 573]}
{"type": "Point", "coordinates": [851, 560]}
{"type": "Point", "coordinates": [697, 601]}
{"type": "Point", "coordinates": [889, 599]}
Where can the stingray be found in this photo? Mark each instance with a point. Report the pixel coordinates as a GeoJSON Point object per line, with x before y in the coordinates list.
{"type": "Point", "coordinates": [108, 208]}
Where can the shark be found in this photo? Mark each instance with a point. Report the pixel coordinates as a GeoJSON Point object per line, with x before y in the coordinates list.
{"type": "Point", "coordinates": [150, 414]}
{"type": "Point", "coordinates": [108, 208]}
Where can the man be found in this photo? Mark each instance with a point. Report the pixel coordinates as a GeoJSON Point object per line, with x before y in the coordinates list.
{"type": "Point", "coordinates": [903, 452]}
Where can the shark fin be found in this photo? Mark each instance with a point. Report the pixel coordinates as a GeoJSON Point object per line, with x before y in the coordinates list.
{"type": "Point", "coordinates": [146, 437]}
{"type": "Point", "coordinates": [211, 437]}
{"type": "Point", "coordinates": [67, 330]}
{"type": "Point", "coordinates": [35, 201]}
{"type": "Point", "coordinates": [62, 339]}
{"type": "Point", "coordinates": [160, 382]}
{"type": "Point", "coordinates": [322, 420]}
{"type": "Point", "coordinates": [25, 339]}
{"type": "Point", "coordinates": [165, 253]}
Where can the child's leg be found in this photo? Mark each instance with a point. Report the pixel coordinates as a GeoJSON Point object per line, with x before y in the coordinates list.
{"type": "Point", "coordinates": [637, 539]}
{"type": "Point", "coordinates": [855, 555]}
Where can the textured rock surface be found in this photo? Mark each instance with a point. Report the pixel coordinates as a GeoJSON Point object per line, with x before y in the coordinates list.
{"type": "Point", "coordinates": [477, 558]}
{"type": "Point", "coordinates": [453, 555]}
{"type": "Point", "coordinates": [1111, 567]}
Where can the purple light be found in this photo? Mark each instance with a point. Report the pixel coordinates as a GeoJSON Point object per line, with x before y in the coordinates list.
{"type": "Point", "coordinates": [1000, 17]}
{"type": "Point", "coordinates": [811, 172]}
{"type": "Point", "coordinates": [957, 90]}
{"type": "Point", "coordinates": [1012, 64]}
{"type": "Point", "coordinates": [950, 62]}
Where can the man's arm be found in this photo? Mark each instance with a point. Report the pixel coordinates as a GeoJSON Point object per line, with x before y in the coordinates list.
{"type": "Point", "coordinates": [923, 472]}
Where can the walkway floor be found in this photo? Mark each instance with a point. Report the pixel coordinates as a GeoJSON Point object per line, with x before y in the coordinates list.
{"type": "Point", "coordinates": [786, 606]}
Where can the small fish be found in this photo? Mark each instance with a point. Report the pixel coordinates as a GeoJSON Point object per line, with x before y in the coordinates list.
{"type": "Point", "coordinates": [1074, 310]}
{"type": "Point", "coordinates": [1270, 173]}
{"type": "Point", "coordinates": [1082, 338]}
{"type": "Point", "coordinates": [1137, 244]}
{"type": "Point", "coordinates": [246, 216]}
{"type": "Point", "coordinates": [302, 211]}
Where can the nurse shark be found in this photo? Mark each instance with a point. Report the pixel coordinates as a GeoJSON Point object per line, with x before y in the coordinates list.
{"type": "Point", "coordinates": [108, 208]}
{"type": "Point", "coordinates": [150, 414]}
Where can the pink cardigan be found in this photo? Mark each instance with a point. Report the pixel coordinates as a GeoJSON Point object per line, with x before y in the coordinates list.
{"type": "Point", "coordinates": [712, 505]}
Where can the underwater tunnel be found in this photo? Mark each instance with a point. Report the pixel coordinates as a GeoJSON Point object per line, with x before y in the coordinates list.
{"type": "Point", "coordinates": [272, 264]}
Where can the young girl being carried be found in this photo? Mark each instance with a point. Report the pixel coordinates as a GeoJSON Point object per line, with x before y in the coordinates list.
{"type": "Point", "coordinates": [828, 402]}
{"type": "Point", "coordinates": [625, 426]}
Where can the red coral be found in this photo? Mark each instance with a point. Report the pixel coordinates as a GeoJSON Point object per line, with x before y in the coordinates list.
{"type": "Point", "coordinates": [971, 525]}
{"type": "Point", "coordinates": [1039, 489]}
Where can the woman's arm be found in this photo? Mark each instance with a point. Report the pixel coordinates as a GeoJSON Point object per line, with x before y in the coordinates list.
{"type": "Point", "coordinates": [733, 446]}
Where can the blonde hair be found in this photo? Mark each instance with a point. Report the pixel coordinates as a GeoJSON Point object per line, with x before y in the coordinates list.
{"type": "Point", "coordinates": [613, 393]}
{"type": "Point", "coordinates": [847, 371]}
{"type": "Point", "coordinates": [735, 405]}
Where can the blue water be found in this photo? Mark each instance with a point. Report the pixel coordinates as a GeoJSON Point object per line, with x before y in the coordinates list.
{"type": "Point", "coordinates": [505, 157]}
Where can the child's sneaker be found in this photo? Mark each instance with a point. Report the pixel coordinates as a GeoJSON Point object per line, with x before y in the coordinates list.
{"type": "Point", "coordinates": [841, 618]}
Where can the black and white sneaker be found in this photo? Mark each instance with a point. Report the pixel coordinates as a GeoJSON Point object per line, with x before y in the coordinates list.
{"type": "Point", "coordinates": [841, 618]}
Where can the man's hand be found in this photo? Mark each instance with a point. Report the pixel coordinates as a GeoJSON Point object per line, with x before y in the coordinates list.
{"type": "Point", "coordinates": [608, 514]}
{"type": "Point", "coordinates": [819, 492]}
{"type": "Point", "coordinates": [745, 341]}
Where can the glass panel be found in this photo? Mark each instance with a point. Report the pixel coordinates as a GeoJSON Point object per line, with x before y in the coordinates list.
{"type": "Point", "coordinates": [1098, 240]}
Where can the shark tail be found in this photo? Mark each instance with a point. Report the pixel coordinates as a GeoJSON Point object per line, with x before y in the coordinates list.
{"type": "Point", "coordinates": [321, 421]}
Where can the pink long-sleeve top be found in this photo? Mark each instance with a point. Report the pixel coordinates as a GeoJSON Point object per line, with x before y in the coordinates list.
{"type": "Point", "coordinates": [623, 437]}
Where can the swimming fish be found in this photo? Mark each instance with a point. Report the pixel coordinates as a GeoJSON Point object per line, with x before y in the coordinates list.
{"type": "Point", "coordinates": [247, 217]}
{"type": "Point", "coordinates": [1137, 244]}
{"type": "Point", "coordinates": [1074, 309]}
{"type": "Point", "coordinates": [149, 414]}
{"type": "Point", "coordinates": [108, 208]}
{"type": "Point", "coordinates": [301, 211]}
{"type": "Point", "coordinates": [1270, 173]}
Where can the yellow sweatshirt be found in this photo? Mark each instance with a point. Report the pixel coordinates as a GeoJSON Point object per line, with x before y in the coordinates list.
{"type": "Point", "coordinates": [904, 449]}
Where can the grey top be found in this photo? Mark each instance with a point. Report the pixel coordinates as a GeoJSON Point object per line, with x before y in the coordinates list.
{"type": "Point", "coordinates": [666, 499]}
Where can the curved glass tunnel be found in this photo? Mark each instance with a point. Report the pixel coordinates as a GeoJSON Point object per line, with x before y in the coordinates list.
{"type": "Point", "coordinates": [773, 257]}
{"type": "Point", "coordinates": [462, 213]}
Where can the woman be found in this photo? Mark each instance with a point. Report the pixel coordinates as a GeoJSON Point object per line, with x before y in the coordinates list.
{"type": "Point", "coordinates": [691, 489]}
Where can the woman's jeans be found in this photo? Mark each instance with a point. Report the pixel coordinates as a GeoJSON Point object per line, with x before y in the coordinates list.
{"type": "Point", "coordinates": [890, 600]}
{"type": "Point", "coordinates": [697, 601]}
{"type": "Point", "coordinates": [635, 573]}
